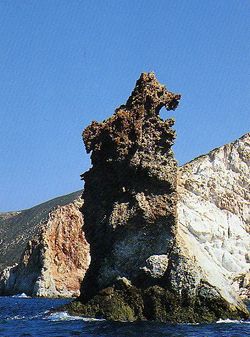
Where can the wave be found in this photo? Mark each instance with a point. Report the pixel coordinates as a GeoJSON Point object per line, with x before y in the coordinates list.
{"type": "Point", "coordinates": [64, 316]}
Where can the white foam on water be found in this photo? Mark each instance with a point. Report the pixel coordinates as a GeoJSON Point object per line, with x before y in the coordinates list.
{"type": "Point", "coordinates": [64, 316]}
{"type": "Point", "coordinates": [17, 317]}
{"type": "Point", "coordinates": [23, 295]}
{"type": "Point", "coordinates": [234, 321]}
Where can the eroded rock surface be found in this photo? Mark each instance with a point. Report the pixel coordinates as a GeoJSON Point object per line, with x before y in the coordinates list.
{"type": "Point", "coordinates": [141, 266]}
{"type": "Point", "coordinates": [55, 259]}
{"type": "Point", "coordinates": [130, 193]}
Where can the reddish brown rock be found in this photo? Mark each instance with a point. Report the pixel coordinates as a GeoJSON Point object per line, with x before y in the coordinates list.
{"type": "Point", "coordinates": [55, 260]}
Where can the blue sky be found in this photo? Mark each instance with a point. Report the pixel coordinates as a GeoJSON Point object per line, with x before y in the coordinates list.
{"type": "Point", "coordinates": [65, 63]}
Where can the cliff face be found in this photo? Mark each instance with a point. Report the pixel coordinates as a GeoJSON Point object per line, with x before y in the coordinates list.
{"type": "Point", "coordinates": [17, 228]}
{"type": "Point", "coordinates": [214, 214]}
{"type": "Point", "coordinates": [142, 264]}
{"type": "Point", "coordinates": [55, 258]}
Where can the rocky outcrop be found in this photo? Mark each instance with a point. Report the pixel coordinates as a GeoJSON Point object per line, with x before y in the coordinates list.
{"type": "Point", "coordinates": [134, 205]}
{"type": "Point", "coordinates": [142, 265]}
{"type": "Point", "coordinates": [55, 258]}
{"type": "Point", "coordinates": [214, 214]}
{"type": "Point", "coordinates": [167, 243]}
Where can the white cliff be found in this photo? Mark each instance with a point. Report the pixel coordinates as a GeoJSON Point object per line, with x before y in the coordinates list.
{"type": "Point", "coordinates": [214, 215]}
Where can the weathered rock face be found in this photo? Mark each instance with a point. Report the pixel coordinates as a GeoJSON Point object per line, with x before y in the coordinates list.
{"type": "Point", "coordinates": [141, 266]}
{"type": "Point", "coordinates": [55, 260]}
{"type": "Point", "coordinates": [130, 193]}
{"type": "Point", "coordinates": [214, 214]}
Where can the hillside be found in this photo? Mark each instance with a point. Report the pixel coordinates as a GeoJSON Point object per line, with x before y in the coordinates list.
{"type": "Point", "coordinates": [17, 228]}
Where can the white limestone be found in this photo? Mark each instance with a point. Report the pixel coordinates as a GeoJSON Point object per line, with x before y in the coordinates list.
{"type": "Point", "coordinates": [214, 213]}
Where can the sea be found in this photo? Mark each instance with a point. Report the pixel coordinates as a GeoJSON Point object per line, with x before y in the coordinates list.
{"type": "Point", "coordinates": [26, 317]}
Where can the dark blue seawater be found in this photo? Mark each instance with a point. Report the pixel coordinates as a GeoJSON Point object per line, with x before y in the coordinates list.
{"type": "Point", "coordinates": [28, 317]}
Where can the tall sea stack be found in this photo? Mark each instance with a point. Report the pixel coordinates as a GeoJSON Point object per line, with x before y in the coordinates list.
{"type": "Point", "coordinates": [130, 192]}
{"type": "Point", "coordinates": [140, 267]}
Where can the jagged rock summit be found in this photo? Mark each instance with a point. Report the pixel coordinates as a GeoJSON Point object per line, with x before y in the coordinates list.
{"type": "Point", "coordinates": [141, 267]}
